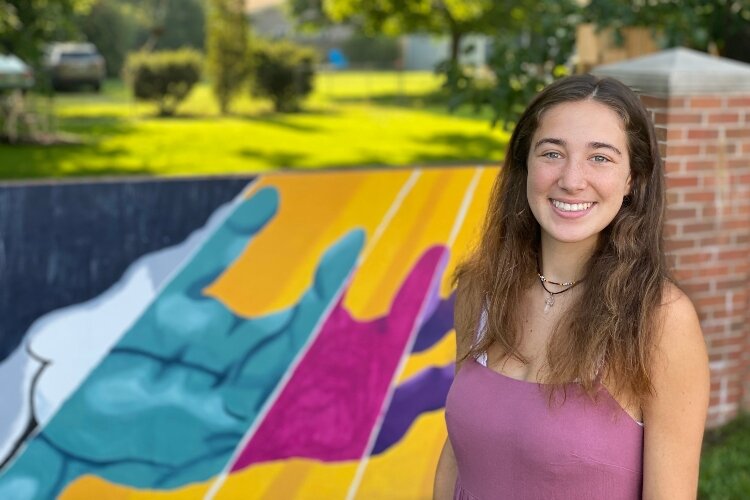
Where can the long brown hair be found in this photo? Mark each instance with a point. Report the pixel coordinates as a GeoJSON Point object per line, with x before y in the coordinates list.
{"type": "Point", "coordinates": [614, 322]}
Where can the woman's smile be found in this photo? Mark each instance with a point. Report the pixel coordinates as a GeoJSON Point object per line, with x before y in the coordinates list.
{"type": "Point", "coordinates": [571, 210]}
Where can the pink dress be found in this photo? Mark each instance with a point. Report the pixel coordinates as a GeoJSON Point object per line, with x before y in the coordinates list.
{"type": "Point", "coordinates": [509, 442]}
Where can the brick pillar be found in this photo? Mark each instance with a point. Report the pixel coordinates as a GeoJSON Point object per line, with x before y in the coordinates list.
{"type": "Point", "coordinates": [701, 109]}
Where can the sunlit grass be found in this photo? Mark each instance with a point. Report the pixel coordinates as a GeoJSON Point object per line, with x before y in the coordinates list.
{"type": "Point", "coordinates": [352, 119]}
{"type": "Point", "coordinates": [725, 462]}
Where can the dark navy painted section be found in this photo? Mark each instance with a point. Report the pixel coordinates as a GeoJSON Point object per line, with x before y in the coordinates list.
{"type": "Point", "coordinates": [61, 244]}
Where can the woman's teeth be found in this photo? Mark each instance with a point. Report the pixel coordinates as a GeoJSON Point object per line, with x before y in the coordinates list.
{"type": "Point", "coordinates": [574, 207]}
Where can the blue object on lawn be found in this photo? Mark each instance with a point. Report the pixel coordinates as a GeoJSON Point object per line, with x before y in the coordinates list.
{"type": "Point", "coordinates": [337, 59]}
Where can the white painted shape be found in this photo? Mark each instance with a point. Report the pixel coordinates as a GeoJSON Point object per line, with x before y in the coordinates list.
{"type": "Point", "coordinates": [74, 339]}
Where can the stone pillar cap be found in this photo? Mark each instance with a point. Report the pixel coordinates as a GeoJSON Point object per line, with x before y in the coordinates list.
{"type": "Point", "coordinates": [680, 71]}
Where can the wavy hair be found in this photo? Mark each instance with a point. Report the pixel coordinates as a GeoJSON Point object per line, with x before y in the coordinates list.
{"type": "Point", "coordinates": [612, 325]}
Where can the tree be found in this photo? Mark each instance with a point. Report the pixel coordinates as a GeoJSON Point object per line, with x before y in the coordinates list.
{"type": "Point", "coordinates": [118, 27]}
{"type": "Point", "coordinates": [184, 25]}
{"type": "Point", "coordinates": [719, 25]}
{"type": "Point", "coordinates": [309, 14]}
{"type": "Point", "coordinates": [533, 50]}
{"type": "Point", "coordinates": [173, 24]}
{"type": "Point", "coordinates": [114, 28]}
{"type": "Point", "coordinates": [532, 41]}
{"type": "Point", "coordinates": [27, 25]}
{"type": "Point", "coordinates": [457, 18]}
{"type": "Point", "coordinates": [226, 49]}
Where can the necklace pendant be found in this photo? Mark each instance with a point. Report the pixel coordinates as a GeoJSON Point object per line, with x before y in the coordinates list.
{"type": "Point", "coordinates": [549, 302]}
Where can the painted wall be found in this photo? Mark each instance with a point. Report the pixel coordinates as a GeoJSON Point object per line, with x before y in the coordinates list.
{"type": "Point", "coordinates": [298, 345]}
{"type": "Point", "coordinates": [61, 244]}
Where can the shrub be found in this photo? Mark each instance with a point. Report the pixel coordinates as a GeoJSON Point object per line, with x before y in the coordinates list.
{"type": "Point", "coordinates": [283, 72]}
{"type": "Point", "coordinates": [163, 77]}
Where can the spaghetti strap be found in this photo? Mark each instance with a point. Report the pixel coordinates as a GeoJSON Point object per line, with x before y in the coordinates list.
{"type": "Point", "coordinates": [482, 327]}
{"type": "Point", "coordinates": [479, 335]}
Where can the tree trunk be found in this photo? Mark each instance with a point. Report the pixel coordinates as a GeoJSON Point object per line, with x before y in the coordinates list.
{"type": "Point", "coordinates": [456, 37]}
{"type": "Point", "coordinates": [157, 28]}
{"type": "Point", "coordinates": [456, 33]}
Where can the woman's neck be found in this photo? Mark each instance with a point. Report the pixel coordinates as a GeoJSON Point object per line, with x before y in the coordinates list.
{"type": "Point", "coordinates": [565, 262]}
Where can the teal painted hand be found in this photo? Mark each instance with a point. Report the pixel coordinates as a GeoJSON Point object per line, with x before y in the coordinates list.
{"type": "Point", "coordinates": [172, 400]}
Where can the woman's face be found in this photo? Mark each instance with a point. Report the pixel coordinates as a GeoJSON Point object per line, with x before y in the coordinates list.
{"type": "Point", "coordinates": [578, 171]}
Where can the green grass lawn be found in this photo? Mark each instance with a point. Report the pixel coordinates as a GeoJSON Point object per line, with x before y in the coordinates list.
{"type": "Point", "coordinates": [725, 462]}
{"type": "Point", "coordinates": [352, 119]}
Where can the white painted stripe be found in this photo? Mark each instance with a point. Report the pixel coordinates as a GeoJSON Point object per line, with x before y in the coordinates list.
{"type": "Point", "coordinates": [390, 214]}
{"type": "Point", "coordinates": [465, 204]}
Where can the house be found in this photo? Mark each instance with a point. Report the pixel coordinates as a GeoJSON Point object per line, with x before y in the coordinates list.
{"type": "Point", "coordinates": [269, 19]}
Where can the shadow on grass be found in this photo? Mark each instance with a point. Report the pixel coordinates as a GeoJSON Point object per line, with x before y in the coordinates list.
{"type": "Point", "coordinates": [434, 103]}
{"type": "Point", "coordinates": [463, 147]}
{"type": "Point", "coordinates": [27, 162]}
{"type": "Point", "coordinates": [394, 99]}
{"type": "Point", "coordinates": [310, 111]}
{"type": "Point", "coordinates": [280, 120]}
{"type": "Point", "coordinates": [34, 162]}
{"type": "Point", "coordinates": [96, 125]}
{"type": "Point", "coordinates": [285, 120]}
{"type": "Point", "coordinates": [279, 159]}
{"type": "Point", "coordinates": [456, 149]}
{"type": "Point", "coordinates": [72, 160]}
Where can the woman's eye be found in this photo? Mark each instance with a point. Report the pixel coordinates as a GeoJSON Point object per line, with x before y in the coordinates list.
{"type": "Point", "coordinates": [553, 155]}
{"type": "Point", "coordinates": [600, 159]}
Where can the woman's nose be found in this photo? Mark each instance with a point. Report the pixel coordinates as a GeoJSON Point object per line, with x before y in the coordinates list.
{"type": "Point", "coordinates": [572, 177]}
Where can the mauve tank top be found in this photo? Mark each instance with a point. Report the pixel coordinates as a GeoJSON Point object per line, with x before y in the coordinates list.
{"type": "Point", "coordinates": [509, 442]}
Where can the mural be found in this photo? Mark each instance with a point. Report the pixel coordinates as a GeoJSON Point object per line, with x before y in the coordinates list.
{"type": "Point", "coordinates": [73, 240]}
{"type": "Point", "coordinates": [66, 243]}
{"type": "Point", "coordinates": [302, 349]}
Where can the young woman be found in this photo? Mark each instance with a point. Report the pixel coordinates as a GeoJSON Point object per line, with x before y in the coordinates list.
{"type": "Point", "coordinates": [581, 370]}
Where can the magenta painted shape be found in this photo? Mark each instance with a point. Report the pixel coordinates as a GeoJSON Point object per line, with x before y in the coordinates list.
{"type": "Point", "coordinates": [328, 408]}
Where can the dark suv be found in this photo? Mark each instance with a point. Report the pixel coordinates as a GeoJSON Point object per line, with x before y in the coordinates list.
{"type": "Point", "coordinates": [72, 64]}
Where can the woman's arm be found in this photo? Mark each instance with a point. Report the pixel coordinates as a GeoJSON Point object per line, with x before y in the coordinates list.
{"type": "Point", "coordinates": [675, 416]}
{"type": "Point", "coordinates": [445, 476]}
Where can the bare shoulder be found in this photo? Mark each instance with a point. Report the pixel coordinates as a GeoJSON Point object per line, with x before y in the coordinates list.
{"type": "Point", "coordinates": [680, 360]}
{"type": "Point", "coordinates": [680, 331]}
